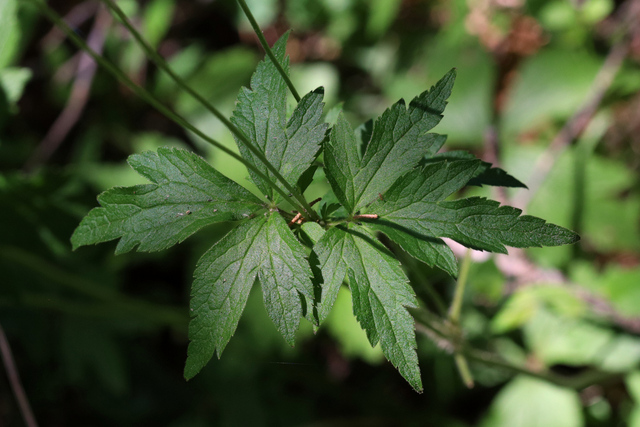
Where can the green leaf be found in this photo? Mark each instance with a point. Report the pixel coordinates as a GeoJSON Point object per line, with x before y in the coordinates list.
{"type": "Point", "coordinates": [434, 182]}
{"type": "Point", "coordinates": [13, 81]}
{"type": "Point", "coordinates": [262, 248]}
{"type": "Point", "coordinates": [342, 162]}
{"type": "Point", "coordinates": [432, 251]}
{"type": "Point", "coordinates": [290, 146]}
{"type": "Point", "coordinates": [415, 204]}
{"type": "Point", "coordinates": [485, 175]}
{"type": "Point", "coordinates": [399, 140]}
{"type": "Point", "coordinates": [186, 195]}
{"type": "Point", "coordinates": [530, 402]}
{"type": "Point", "coordinates": [10, 31]}
{"type": "Point", "coordinates": [380, 293]}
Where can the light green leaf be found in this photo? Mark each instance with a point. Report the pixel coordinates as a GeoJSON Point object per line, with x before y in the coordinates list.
{"type": "Point", "coordinates": [530, 402]}
{"type": "Point", "coordinates": [622, 354]}
{"type": "Point", "coordinates": [262, 248]}
{"type": "Point", "coordinates": [380, 293]}
{"type": "Point", "coordinates": [13, 81]}
{"type": "Point", "coordinates": [9, 31]}
{"type": "Point", "coordinates": [186, 195]}
{"type": "Point", "coordinates": [557, 339]}
{"type": "Point", "coordinates": [290, 146]}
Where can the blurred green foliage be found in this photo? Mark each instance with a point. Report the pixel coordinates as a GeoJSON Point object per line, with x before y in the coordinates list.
{"type": "Point", "coordinates": [101, 340]}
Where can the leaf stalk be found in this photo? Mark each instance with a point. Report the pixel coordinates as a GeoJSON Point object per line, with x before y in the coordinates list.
{"type": "Point", "coordinates": [454, 318]}
{"type": "Point", "coordinates": [461, 284]}
{"type": "Point", "coordinates": [267, 48]}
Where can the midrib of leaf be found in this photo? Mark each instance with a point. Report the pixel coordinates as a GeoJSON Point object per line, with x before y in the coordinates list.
{"type": "Point", "coordinates": [371, 289]}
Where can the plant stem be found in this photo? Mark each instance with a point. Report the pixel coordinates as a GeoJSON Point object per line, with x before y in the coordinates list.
{"type": "Point", "coordinates": [458, 296]}
{"type": "Point", "coordinates": [432, 328]}
{"type": "Point", "coordinates": [14, 380]}
{"type": "Point", "coordinates": [454, 318]}
{"type": "Point", "coordinates": [267, 49]}
{"type": "Point", "coordinates": [159, 61]}
{"type": "Point", "coordinates": [463, 369]}
{"type": "Point", "coordinates": [577, 382]}
{"type": "Point", "coordinates": [154, 102]}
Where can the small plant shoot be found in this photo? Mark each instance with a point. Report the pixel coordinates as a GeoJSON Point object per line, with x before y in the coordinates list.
{"type": "Point", "coordinates": [387, 176]}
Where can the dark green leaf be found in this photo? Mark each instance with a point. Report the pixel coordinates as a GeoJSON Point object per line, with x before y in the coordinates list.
{"type": "Point", "coordinates": [485, 175]}
{"type": "Point", "coordinates": [306, 178]}
{"type": "Point", "coordinates": [399, 140]}
{"type": "Point", "coordinates": [380, 293]}
{"type": "Point", "coordinates": [262, 248]}
{"type": "Point", "coordinates": [415, 204]}
{"type": "Point", "coordinates": [186, 195]}
{"type": "Point", "coordinates": [430, 250]}
{"type": "Point", "coordinates": [290, 146]}
{"type": "Point", "coordinates": [342, 162]}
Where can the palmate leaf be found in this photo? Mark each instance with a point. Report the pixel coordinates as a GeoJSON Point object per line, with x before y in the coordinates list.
{"type": "Point", "coordinates": [290, 146]}
{"type": "Point", "coordinates": [263, 248]}
{"type": "Point", "coordinates": [399, 140]}
{"type": "Point", "coordinates": [415, 204]}
{"type": "Point", "coordinates": [186, 195]}
{"type": "Point", "coordinates": [379, 289]}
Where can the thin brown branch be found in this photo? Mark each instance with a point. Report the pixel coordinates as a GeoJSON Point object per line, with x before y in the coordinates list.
{"type": "Point", "coordinates": [77, 16]}
{"type": "Point", "coordinates": [576, 124]}
{"type": "Point", "coordinates": [79, 94]}
{"type": "Point", "coordinates": [14, 380]}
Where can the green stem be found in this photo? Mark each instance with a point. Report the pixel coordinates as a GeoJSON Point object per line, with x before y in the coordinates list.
{"type": "Point", "coordinates": [454, 318]}
{"type": "Point", "coordinates": [159, 61]}
{"type": "Point", "coordinates": [267, 49]}
{"type": "Point", "coordinates": [458, 296]}
{"type": "Point", "coordinates": [577, 382]}
{"type": "Point", "coordinates": [431, 327]}
{"type": "Point", "coordinates": [154, 102]}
